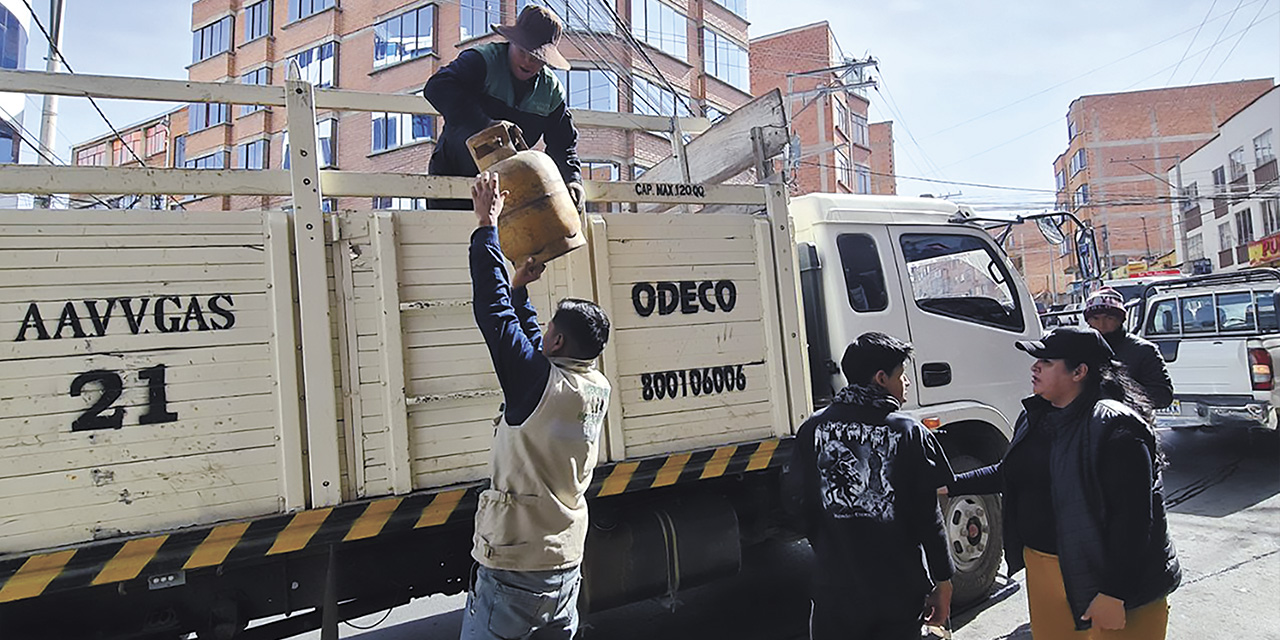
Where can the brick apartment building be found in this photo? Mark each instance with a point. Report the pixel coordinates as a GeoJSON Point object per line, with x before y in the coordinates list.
{"type": "Point", "coordinates": [839, 151]}
{"type": "Point", "coordinates": [697, 47]}
{"type": "Point", "coordinates": [1119, 147]}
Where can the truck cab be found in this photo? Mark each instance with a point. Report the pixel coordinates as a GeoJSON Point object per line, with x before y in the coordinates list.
{"type": "Point", "coordinates": [1220, 337]}
{"type": "Point", "coordinates": [918, 269]}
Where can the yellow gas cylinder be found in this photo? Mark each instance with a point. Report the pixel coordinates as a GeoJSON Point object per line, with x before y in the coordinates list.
{"type": "Point", "coordinates": [539, 218]}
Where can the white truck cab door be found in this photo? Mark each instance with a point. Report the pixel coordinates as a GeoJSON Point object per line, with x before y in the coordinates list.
{"type": "Point", "coordinates": [860, 288]}
{"type": "Point", "coordinates": [965, 306]}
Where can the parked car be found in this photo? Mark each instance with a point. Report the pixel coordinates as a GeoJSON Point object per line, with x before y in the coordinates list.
{"type": "Point", "coordinates": [1220, 337]}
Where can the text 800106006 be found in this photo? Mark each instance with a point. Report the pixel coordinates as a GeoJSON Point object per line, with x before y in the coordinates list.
{"type": "Point", "coordinates": [697, 381]}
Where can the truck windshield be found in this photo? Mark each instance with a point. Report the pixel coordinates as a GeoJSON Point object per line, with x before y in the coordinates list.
{"type": "Point", "coordinates": [961, 277]}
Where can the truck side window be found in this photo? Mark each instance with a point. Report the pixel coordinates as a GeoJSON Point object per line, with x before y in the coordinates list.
{"type": "Point", "coordinates": [1198, 315]}
{"type": "Point", "coordinates": [1236, 312]}
{"type": "Point", "coordinates": [1164, 318]}
{"type": "Point", "coordinates": [863, 275]}
{"type": "Point", "coordinates": [1266, 308]}
{"type": "Point", "coordinates": [961, 277]}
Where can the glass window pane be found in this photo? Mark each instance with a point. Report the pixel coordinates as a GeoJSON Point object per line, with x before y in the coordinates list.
{"type": "Point", "coordinates": [960, 277]}
{"type": "Point", "coordinates": [1198, 314]}
{"type": "Point", "coordinates": [863, 273]}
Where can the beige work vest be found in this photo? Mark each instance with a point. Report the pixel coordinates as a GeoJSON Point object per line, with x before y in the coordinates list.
{"type": "Point", "coordinates": [534, 515]}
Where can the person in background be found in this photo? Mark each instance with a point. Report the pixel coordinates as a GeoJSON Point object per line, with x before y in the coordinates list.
{"type": "Point", "coordinates": [531, 523]}
{"type": "Point", "coordinates": [1105, 312]}
{"type": "Point", "coordinates": [862, 485]}
{"type": "Point", "coordinates": [506, 81]}
{"type": "Point", "coordinates": [1083, 497]}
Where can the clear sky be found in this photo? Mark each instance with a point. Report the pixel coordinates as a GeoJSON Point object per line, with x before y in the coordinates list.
{"type": "Point", "coordinates": [978, 91]}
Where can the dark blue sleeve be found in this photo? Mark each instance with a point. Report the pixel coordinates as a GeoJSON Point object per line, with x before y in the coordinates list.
{"type": "Point", "coordinates": [981, 480]}
{"type": "Point", "coordinates": [456, 91]}
{"type": "Point", "coordinates": [561, 137]}
{"type": "Point", "coordinates": [528, 316]}
{"type": "Point", "coordinates": [522, 369]}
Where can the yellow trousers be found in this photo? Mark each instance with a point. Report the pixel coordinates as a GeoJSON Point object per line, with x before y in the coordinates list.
{"type": "Point", "coordinates": [1051, 617]}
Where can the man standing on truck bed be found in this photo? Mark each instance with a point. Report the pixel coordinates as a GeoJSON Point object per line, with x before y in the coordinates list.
{"type": "Point", "coordinates": [1105, 312]}
{"type": "Point", "coordinates": [862, 484]}
{"type": "Point", "coordinates": [506, 81]}
{"type": "Point", "coordinates": [531, 523]}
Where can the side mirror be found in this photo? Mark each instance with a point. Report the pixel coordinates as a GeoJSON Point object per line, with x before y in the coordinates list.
{"type": "Point", "coordinates": [1051, 228]}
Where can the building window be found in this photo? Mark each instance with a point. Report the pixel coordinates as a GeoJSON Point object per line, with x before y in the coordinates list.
{"type": "Point", "coordinates": [399, 204]}
{"type": "Point", "coordinates": [862, 178]}
{"type": "Point", "coordinates": [299, 9]}
{"type": "Point", "coordinates": [1060, 180]}
{"type": "Point", "coordinates": [1195, 247]}
{"type": "Point", "coordinates": [202, 115]}
{"type": "Point", "coordinates": [476, 16]}
{"type": "Point", "coordinates": [661, 26]}
{"type": "Point", "coordinates": [1225, 240]}
{"type": "Point", "coordinates": [216, 160]}
{"type": "Point", "coordinates": [391, 130]}
{"type": "Point", "coordinates": [1236, 161]}
{"type": "Point", "coordinates": [1190, 196]}
{"type": "Point", "coordinates": [127, 147]}
{"type": "Point", "coordinates": [326, 142]}
{"type": "Point", "coordinates": [715, 114]}
{"type": "Point", "coordinates": [317, 64]}
{"type": "Point", "coordinates": [1244, 227]}
{"type": "Point", "coordinates": [861, 134]}
{"type": "Point", "coordinates": [1220, 180]}
{"type": "Point", "coordinates": [257, 76]}
{"type": "Point", "coordinates": [1072, 129]}
{"type": "Point", "coordinates": [591, 89]}
{"type": "Point", "coordinates": [13, 44]}
{"type": "Point", "coordinates": [840, 115]}
{"type": "Point", "coordinates": [1082, 195]}
{"type": "Point", "coordinates": [95, 156]}
{"type": "Point", "coordinates": [737, 6]}
{"type": "Point", "coordinates": [844, 171]}
{"type": "Point", "coordinates": [726, 60]}
{"type": "Point", "coordinates": [1078, 162]}
{"type": "Point", "coordinates": [157, 140]}
{"type": "Point", "coordinates": [179, 151]}
{"type": "Point", "coordinates": [211, 40]}
{"type": "Point", "coordinates": [253, 155]}
{"type": "Point", "coordinates": [1270, 216]}
{"type": "Point", "coordinates": [407, 36]}
{"type": "Point", "coordinates": [578, 15]}
{"type": "Point", "coordinates": [650, 98]}
{"type": "Point", "coordinates": [257, 20]}
{"type": "Point", "coordinates": [1262, 151]}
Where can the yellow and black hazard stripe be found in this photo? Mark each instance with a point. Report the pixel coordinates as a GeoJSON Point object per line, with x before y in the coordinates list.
{"type": "Point", "coordinates": [29, 576]}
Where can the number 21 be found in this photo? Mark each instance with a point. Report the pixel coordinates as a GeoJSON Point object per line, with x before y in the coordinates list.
{"type": "Point", "coordinates": [112, 384]}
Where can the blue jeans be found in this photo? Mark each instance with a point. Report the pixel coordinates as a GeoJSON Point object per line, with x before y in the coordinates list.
{"type": "Point", "coordinates": [529, 605]}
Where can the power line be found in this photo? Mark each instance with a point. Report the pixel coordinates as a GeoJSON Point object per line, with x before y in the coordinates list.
{"type": "Point", "coordinates": [1193, 41]}
{"type": "Point", "coordinates": [1238, 40]}
{"type": "Point", "coordinates": [1217, 40]}
{"type": "Point", "coordinates": [96, 108]}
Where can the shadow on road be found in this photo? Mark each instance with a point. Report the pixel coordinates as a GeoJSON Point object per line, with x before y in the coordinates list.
{"type": "Point", "coordinates": [1218, 472]}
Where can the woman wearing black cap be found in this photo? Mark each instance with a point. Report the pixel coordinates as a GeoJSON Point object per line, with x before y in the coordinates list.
{"type": "Point", "coordinates": [1083, 500]}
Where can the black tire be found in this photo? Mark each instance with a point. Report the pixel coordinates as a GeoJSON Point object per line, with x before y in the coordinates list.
{"type": "Point", "coordinates": [975, 538]}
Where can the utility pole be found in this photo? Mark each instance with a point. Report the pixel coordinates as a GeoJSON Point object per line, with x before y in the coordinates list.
{"type": "Point", "coordinates": [49, 114]}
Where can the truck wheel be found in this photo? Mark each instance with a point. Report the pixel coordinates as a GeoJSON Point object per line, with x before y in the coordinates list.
{"type": "Point", "coordinates": [974, 533]}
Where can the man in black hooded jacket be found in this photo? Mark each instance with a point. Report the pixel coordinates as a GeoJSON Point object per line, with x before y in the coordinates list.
{"type": "Point", "coordinates": [861, 484]}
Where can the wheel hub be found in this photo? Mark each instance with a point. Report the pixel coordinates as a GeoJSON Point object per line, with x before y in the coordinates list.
{"type": "Point", "coordinates": [968, 528]}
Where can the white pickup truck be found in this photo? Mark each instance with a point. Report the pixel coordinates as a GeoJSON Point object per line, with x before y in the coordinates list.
{"type": "Point", "coordinates": [1220, 337]}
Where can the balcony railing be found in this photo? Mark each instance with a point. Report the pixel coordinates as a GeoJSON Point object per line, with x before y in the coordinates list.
{"type": "Point", "coordinates": [1265, 173]}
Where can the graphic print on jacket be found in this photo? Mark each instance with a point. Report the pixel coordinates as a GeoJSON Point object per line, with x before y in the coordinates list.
{"type": "Point", "coordinates": [855, 462]}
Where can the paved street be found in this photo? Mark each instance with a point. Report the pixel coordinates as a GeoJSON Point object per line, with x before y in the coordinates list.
{"type": "Point", "coordinates": [1224, 493]}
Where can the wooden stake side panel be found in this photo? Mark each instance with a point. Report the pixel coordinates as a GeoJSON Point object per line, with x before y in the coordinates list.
{"type": "Point", "coordinates": [139, 384]}
{"type": "Point", "coordinates": [692, 355]}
